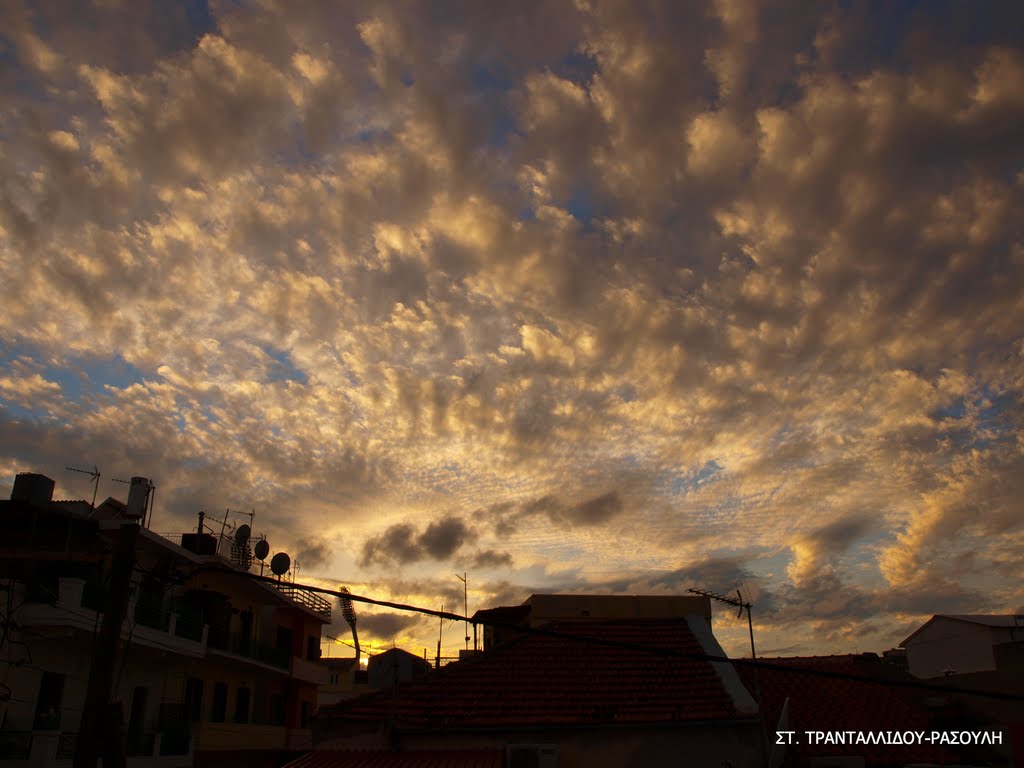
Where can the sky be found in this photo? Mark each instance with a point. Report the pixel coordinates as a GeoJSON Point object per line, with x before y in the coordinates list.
{"type": "Point", "coordinates": [602, 297]}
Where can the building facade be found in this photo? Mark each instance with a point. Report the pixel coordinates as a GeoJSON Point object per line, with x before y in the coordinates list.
{"type": "Point", "coordinates": [212, 665]}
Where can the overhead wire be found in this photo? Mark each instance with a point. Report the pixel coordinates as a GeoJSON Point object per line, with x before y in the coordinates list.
{"type": "Point", "coordinates": [649, 649]}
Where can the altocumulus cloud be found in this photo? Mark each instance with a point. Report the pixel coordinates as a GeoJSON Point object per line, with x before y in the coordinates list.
{"type": "Point", "coordinates": [640, 296]}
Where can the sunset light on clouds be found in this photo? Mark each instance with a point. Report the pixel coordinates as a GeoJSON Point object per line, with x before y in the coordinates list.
{"type": "Point", "coordinates": [589, 297]}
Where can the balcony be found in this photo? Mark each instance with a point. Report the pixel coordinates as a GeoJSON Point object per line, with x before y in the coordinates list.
{"type": "Point", "coordinates": [75, 605]}
{"type": "Point", "coordinates": [159, 749]}
{"type": "Point", "coordinates": [309, 671]}
{"type": "Point", "coordinates": [312, 601]}
{"type": "Point", "coordinates": [245, 649]}
{"type": "Point", "coordinates": [238, 736]}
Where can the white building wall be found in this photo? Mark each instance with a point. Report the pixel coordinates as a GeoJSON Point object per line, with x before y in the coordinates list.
{"type": "Point", "coordinates": [950, 644]}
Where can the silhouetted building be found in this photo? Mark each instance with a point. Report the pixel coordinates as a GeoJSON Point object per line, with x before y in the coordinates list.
{"type": "Point", "coordinates": [506, 623]}
{"type": "Point", "coordinates": [600, 692]}
{"type": "Point", "coordinates": [958, 644]}
{"type": "Point", "coordinates": [976, 652]}
{"type": "Point", "coordinates": [863, 696]}
{"type": "Point", "coordinates": [212, 665]}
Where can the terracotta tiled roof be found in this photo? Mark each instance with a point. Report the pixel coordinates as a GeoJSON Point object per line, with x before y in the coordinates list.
{"type": "Point", "coordinates": [819, 703]}
{"type": "Point", "coordinates": [541, 679]}
{"type": "Point", "coordinates": [447, 758]}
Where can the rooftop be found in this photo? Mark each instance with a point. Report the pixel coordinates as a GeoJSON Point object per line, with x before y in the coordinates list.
{"type": "Point", "coordinates": [568, 679]}
{"type": "Point", "coordinates": [835, 704]}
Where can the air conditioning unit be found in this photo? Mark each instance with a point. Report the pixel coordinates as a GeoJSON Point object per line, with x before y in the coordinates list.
{"type": "Point", "coordinates": [531, 756]}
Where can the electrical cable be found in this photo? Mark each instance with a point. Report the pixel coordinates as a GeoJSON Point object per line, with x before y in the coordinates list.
{"type": "Point", "coordinates": [653, 650]}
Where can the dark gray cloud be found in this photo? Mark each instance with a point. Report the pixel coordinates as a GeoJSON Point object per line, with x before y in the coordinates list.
{"type": "Point", "coordinates": [442, 538]}
{"type": "Point", "coordinates": [593, 511]}
{"type": "Point", "coordinates": [403, 543]}
{"type": "Point", "coordinates": [491, 558]}
{"type": "Point", "coordinates": [313, 553]}
{"type": "Point", "coordinates": [386, 625]}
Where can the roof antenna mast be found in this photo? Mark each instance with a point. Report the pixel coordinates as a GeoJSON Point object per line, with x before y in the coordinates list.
{"type": "Point", "coordinates": [94, 479]}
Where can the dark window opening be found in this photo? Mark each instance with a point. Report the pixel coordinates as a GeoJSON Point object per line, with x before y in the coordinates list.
{"type": "Point", "coordinates": [194, 698]}
{"type": "Point", "coordinates": [284, 640]}
{"type": "Point", "coordinates": [242, 706]}
{"type": "Point", "coordinates": [220, 703]}
{"type": "Point", "coordinates": [277, 709]}
{"type": "Point", "coordinates": [51, 692]}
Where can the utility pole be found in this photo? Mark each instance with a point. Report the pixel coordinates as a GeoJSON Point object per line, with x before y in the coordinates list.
{"type": "Point", "coordinates": [464, 578]}
{"type": "Point", "coordinates": [440, 629]}
{"type": "Point", "coordinates": [102, 721]}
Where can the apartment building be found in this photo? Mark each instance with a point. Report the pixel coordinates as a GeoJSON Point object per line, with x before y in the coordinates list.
{"type": "Point", "coordinates": [213, 667]}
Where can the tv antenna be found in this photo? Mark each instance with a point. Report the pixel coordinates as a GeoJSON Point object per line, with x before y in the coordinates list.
{"type": "Point", "coordinates": [94, 476]}
{"type": "Point", "coordinates": [737, 602]}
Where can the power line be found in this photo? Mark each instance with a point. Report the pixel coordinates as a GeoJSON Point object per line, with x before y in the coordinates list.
{"type": "Point", "coordinates": [653, 650]}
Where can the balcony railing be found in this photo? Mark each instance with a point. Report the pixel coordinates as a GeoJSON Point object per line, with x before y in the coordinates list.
{"type": "Point", "coordinates": [244, 647]}
{"type": "Point", "coordinates": [314, 601]}
{"type": "Point", "coordinates": [15, 745]}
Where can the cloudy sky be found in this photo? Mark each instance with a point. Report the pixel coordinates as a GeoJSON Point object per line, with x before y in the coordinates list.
{"type": "Point", "coordinates": [606, 297]}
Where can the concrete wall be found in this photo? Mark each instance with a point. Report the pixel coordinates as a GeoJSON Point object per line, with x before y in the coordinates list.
{"type": "Point", "coordinates": [706, 744]}
{"type": "Point", "coordinates": [545, 608]}
{"type": "Point", "coordinates": [950, 644]}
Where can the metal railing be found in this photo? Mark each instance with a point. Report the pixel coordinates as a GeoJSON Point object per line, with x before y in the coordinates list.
{"type": "Point", "coordinates": [15, 745]}
{"type": "Point", "coordinates": [311, 600]}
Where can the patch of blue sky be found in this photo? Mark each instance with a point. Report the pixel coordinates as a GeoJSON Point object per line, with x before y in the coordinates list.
{"type": "Point", "coordinates": [489, 78]}
{"type": "Point", "coordinates": [956, 410]}
{"type": "Point", "coordinates": [577, 67]}
{"type": "Point", "coordinates": [181, 25]}
{"type": "Point", "coordinates": [992, 421]}
{"type": "Point", "coordinates": [584, 207]}
{"type": "Point", "coordinates": [626, 393]}
{"type": "Point", "coordinates": [631, 460]}
{"type": "Point", "coordinates": [680, 484]}
{"type": "Point", "coordinates": [373, 136]}
{"type": "Point", "coordinates": [209, 415]}
{"type": "Point", "coordinates": [13, 412]}
{"type": "Point", "coordinates": [79, 376]}
{"type": "Point", "coordinates": [285, 368]}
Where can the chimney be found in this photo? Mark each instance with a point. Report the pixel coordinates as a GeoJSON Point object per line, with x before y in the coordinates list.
{"type": "Point", "coordinates": [33, 489]}
{"type": "Point", "coordinates": [138, 496]}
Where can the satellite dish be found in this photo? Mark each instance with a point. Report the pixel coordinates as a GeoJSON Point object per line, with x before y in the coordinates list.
{"type": "Point", "coordinates": [242, 534]}
{"type": "Point", "coordinates": [280, 563]}
{"type": "Point", "coordinates": [262, 549]}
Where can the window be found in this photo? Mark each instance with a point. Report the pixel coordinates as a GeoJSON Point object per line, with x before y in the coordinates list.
{"type": "Point", "coordinates": [277, 709]}
{"type": "Point", "coordinates": [242, 706]}
{"type": "Point", "coordinates": [51, 691]}
{"type": "Point", "coordinates": [194, 699]}
{"type": "Point", "coordinates": [312, 648]}
{"type": "Point", "coordinates": [220, 703]}
{"type": "Point", "coordinates": [284, 640]}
